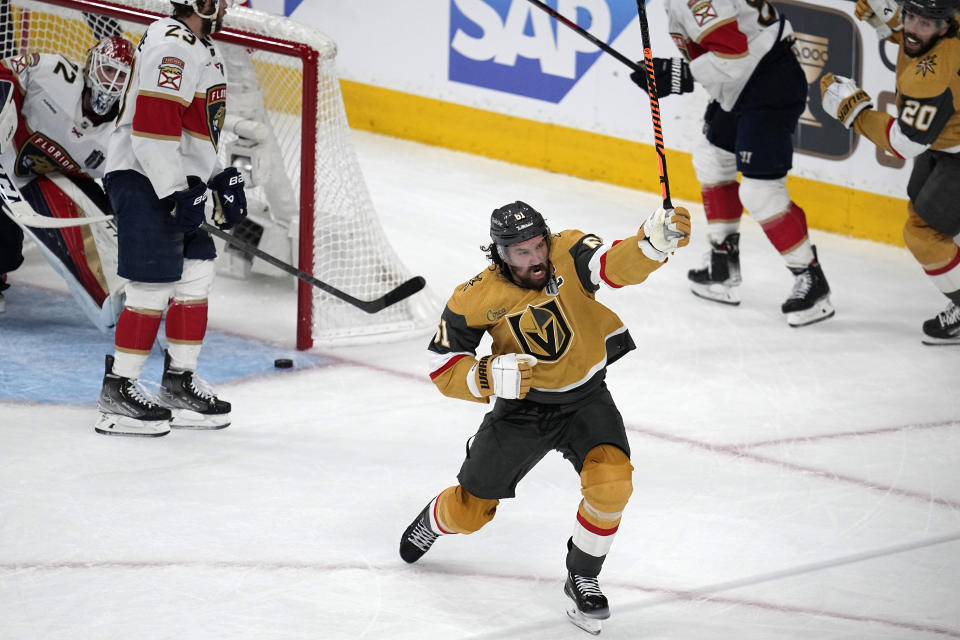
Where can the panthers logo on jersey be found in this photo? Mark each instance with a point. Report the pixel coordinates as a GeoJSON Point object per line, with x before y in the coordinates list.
{"type": "Point", "coordinates": [542, 330]}
{"type": "Point", "coordinates": [216, 112]}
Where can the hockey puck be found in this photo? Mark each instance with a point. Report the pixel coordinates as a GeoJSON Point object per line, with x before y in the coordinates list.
{"type": "Point", "coordinates": [283, 363]}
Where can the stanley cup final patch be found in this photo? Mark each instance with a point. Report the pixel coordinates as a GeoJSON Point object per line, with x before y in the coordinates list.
{"type": "Point", "coordinates": [216, 112]}
{"type": "Point", "coordinates": [171, 73]}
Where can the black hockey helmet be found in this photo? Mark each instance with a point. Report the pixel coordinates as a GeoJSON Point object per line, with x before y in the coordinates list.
{"type": "Point", "coordinates": [516, 222]}
{"type": "Point", "coordinates": [932, 9]}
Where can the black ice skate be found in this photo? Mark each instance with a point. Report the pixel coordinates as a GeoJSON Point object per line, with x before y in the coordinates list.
{"type": "Point", "coordinates": [945, 328]}
{"type": "Point", "coordinates": [419, 537]}
{"type": "Point", "coordinates": [720, 276]}
{"type": "Point", "coordinates": [590, 605]}
{"type": "Point", "coordinates": [192, 403]}
{"type": "Point", "coordinates": [809, 301]}
{"type": "Point", "coordinates": [126, 410]}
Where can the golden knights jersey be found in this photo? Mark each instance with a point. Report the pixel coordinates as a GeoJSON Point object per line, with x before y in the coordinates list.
{"type": "Point", "coordinates": [174, 109]}
{"type": "Point", "coordinates": [928, 102]}
{"type": "Point", "coordinates": [573, 336]}
{"type": "Point", "coordinates": [724, 41]}
{"type": "Point", "coordinates": [53, 134]}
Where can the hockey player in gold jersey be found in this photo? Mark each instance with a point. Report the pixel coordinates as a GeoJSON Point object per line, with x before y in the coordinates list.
{"type": "Point", "coordinates": [551, 344]}
{"type": "Point", "coordinates": [927, 130]}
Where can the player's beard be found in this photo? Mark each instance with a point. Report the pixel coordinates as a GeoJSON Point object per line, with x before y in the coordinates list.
{"type": "Point", "coordinates": [535, 277]}
{"type": "Point", "coordinates": [922, 48]}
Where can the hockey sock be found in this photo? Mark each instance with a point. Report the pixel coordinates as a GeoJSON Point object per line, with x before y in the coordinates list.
{"type": "Point", "coordinates": [721, 204]}
{"type": "Point", "coordinates": [456, 510]}
{"type": "Point", "coordinates": [186, 327]}
{"type": "Point", "coordinates": [787, 232]}
{"type": "Point", "coordinates": [135, 333]}
{"type": "Point", "coordinates": [946, 277]}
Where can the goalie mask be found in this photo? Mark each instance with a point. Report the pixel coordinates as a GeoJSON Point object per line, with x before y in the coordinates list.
{"type": "Point", "coordinates": [932, 9]}
{"type": "Point", "coordinates": [106, 71]}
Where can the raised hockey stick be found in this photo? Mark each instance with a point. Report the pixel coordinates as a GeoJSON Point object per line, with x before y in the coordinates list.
{"type": "Point", "coordinates": [654, 105]}
{"type": "Point", "coordinates": [559, 17]}
{"type": "Point", "coordinates": [393, 296]}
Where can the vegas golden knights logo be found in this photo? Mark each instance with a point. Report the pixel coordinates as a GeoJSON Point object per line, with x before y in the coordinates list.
{"type": "Point", "coordinates": [542, 330]}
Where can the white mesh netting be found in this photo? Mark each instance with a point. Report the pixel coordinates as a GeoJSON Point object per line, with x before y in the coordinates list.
{"type": "Point", "coordinates": [267, 94]}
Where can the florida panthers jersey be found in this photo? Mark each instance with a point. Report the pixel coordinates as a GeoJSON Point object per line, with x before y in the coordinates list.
{"type": "Point", "coordinates": [928, 103]}
{"type": "Point", "coordinates": [573, 336]}
{"type": "Point", "coordinates": [174, 109]}
{"type": "Point", "coordinates": [53, 134]}
{"type": "Point", "coordinates": [724, 40]}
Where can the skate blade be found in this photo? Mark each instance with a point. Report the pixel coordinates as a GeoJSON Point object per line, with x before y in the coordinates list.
{"type": "Point", "coordinates": [187, 419]}
{"type": "Point", "coordinates": [818, 312]}
{"type": "Point", "coordinates": [716, 292]}
{"type": "Point", "coordinates": [940, 342]}
{"type": "Point", "coordinates": [113, 425]}
{"type": "Point", "coordinates": [590, 625]}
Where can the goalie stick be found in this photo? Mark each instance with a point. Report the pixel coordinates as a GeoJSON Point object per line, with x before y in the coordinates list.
{"type": "Point", "coordinates": [393, 296]}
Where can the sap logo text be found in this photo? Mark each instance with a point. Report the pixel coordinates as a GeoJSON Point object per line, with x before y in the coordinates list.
{"type": "Point", "coordinates": [515, 47]}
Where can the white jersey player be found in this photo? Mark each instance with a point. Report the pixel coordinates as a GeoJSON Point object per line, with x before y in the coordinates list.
{"type": "Point", "coordinates": [161, 160]}
{"type": "Point", "coordinates": [741, 52]}
{"type": "Point", "coordinates": [58, 117]}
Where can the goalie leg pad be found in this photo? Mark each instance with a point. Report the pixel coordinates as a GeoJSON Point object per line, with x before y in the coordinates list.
{"type": "Point", "coordinates": [11, 244]}
{"type": "Point", "coordinates": [460, 512]}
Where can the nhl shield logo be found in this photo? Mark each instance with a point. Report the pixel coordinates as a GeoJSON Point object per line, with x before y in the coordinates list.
{"type": "Point", "coordinates": [542, 330]}
{"type": "Point", "coordinates": [216, 112]}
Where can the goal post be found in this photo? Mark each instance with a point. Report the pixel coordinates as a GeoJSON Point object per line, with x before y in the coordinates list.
{"type": "Point", "coordinates": [286, 130]}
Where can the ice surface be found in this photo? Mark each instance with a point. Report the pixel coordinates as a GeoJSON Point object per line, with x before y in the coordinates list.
{"type": "Point", "coordinates": [760, 451]}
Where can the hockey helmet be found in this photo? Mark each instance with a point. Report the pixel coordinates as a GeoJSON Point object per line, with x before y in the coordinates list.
{"type": "Point", "coordinates": [106, 71]}
{"type": "Point", "coordinates": [516, 222]}
{"type": "Point", "coordinates": [197, 6]}
{"type": "Point", "coordinates": [932, 9]}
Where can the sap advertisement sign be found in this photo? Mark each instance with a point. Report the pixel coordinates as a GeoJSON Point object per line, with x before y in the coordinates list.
{"type": "Point", "coordinates": [516, 47]}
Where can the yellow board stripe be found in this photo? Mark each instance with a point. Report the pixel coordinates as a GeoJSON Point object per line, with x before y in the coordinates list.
{"type": "Point", "coordinates": [598, 157]}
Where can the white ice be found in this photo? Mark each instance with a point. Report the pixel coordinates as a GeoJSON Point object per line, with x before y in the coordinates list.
{"type": "Point", "coordinates": [789, 484]}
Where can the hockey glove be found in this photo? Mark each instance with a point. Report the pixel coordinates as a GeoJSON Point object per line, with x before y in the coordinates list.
{"type": "Point", "coordinates": [507, 376]}
{"type": "Point", "coordinates": [229, 200]}
{"type": "Point", "coordinates": [665, 231]}
{"type": "Point", "coordinates": [879, 14]}
{"type": "Point", "coordinates": [187, 205]}
{"type": "Point", "coordinates": [672, 76]}
{"type": "Point", "coordinates": [843, 99]}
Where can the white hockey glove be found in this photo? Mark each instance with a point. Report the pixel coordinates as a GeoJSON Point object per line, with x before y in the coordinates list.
{"type": "Point", "coordinates": [843, 99]}
{"type": "Point", "coordinates": [664, 231]}
{"type": "Point", "coordinates": [507, 376]}
{"type": "Point", "coordinates": [879, 14]}
{"type": "Point", "coordinates": [8, 114]}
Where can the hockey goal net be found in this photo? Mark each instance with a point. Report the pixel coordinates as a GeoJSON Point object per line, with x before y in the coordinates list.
{"type": "Point", "coordinates": [286, 128]}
